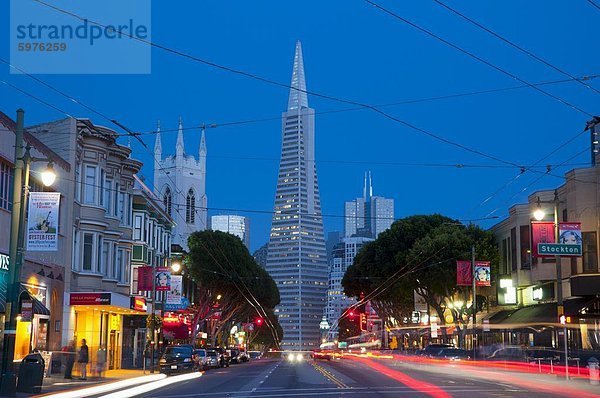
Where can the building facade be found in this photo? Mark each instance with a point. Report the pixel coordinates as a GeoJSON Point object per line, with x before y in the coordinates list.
{"type": "Point", "coordinates": [370, 215]}
{"type": "Point", "coordinates": [343, 255]}
{"type": "Point", "coordinates": [526, 285]}
{"type": "Point", "coordinates": [180, 181]}
{"type": "Point", "coordinates": [233, 224]}
{"type": "Point", "coordinates": [297, 259]}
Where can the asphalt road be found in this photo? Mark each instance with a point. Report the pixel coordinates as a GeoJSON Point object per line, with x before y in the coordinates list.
{"type": "Point", "coordinates": [355, 377]}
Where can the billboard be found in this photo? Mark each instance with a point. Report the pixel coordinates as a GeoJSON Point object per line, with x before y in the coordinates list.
{"type": "Point", "coordinates": [42, 221]}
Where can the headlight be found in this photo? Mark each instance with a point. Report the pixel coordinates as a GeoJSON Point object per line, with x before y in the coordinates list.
{"type": "Point", "coordinates": [291, 357]}
{"type": "Point", "coordinates": [299, 357]}
{"type": "Point", "coordinates": [187, 360]}
{"type": "Point", "coordinates": [163, 361]}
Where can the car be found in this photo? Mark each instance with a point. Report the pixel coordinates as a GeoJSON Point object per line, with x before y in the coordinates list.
{"type": "Point", "coordinates": [434, 348]}
{"type": "Point", "coordinates": [177, 359]}
{"type": "Point", "coordinates": [321, 354]}
{"type": "Point", "coordinates": [202, 359]}
{"type": "Point", "coordinates": [234, 355]}
{"type": "Point", "coordinates": [255, 354]}
{"type": "Point", "coordinates": [224, 358]}
{"type": "Point", "coordinates": [212, 359]}
{"type": "Point", "coordinates": [453, 354]}
{"type": "Point", "coordinates": [243, 356]}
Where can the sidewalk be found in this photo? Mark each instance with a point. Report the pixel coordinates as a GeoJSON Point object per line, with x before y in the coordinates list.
{"type": "Point", "coordinates": [57, 383]}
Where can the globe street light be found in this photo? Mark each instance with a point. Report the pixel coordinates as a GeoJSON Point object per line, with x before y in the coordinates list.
{"type": "Point", "coordinates": [48, 175]}
{"type": "Point", "coordinates": [176, 266]}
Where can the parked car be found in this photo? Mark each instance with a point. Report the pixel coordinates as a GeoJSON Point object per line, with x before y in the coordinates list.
{"type": "Point", "coordinates": [243, 356]}
{"type": "Point", "coordinates": [224, 358]}
{"type": "Point", "coordinates": [201, 359]}
{"type": "Point", "coordinates": [434, 348]}
{"type": "Point", "coordinates": [453, 354]}
{"type": "Point", "coordinates": [255, 354]}
{"type": "Point", "coordinates": [234, 355]}
{"type": "Point", "coordinates": [177, 359]}
{"type": "Point", "coordinates": [212, 359]}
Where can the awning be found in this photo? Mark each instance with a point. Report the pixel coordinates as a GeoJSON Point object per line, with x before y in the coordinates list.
{"type": "Point", "coordinates": [38, 307]}
{"type": "Point", "coordinates": [544, 314]}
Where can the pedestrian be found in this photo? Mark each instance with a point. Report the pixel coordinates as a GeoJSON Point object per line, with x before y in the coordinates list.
{"type": "Point", "coordinates": [83, 359]}
{"type": "Point", "coordinates": [69, 351]}
{"type": "Point", "coordinates": [100, 361]}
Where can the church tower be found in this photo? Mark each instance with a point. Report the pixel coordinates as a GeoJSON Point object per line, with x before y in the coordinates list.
{"type": "Point", "coordinates": [180, 182]}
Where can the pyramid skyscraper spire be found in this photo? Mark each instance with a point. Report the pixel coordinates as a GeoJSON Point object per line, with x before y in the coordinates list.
{"type": "Point", "coordinates": [297, 259]}
{"type": "Point", "coordinates": [298, 97]}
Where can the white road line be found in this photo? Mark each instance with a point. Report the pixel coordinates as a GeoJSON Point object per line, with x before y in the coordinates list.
{"type": "Point", "coordinates": [145, 388]}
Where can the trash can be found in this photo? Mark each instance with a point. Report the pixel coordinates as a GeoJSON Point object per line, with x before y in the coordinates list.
{"type": "Point", "coordinates": [31, 374]}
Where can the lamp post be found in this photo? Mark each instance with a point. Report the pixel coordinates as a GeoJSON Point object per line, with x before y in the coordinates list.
{"type": "Point", "coordinates": [474, 302]}
{"type": "Point", "coordinates": [539, 215]}
{"type": "Point", "coordinates": [17, 228]}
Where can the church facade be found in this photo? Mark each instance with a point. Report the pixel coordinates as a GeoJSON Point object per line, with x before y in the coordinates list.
{"type": "Point", "coordinates": [180, 181]}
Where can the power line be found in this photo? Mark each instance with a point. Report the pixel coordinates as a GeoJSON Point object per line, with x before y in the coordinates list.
{"type": "Point", "coordinates": [287, 86]}
{"type": "Point", "coordinates": [594, 4]}
{"type": "Point", "coordinates": [514, 45]}
{"type": "Point", "coordinates": [474, 56]}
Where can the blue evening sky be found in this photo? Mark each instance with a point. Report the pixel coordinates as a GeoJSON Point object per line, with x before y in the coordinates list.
{"type": "Point", "coordinates": [353, 51]}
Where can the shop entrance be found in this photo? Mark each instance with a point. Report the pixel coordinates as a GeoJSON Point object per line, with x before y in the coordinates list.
{"type": "Point", "coordinates": [114, 350]}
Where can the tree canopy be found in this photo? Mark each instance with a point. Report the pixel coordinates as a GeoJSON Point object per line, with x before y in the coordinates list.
{"type": "Point", "coordinates": [228, 276]}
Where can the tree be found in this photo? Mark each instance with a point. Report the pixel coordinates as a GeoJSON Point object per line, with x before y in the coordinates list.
{"type": "Point", "coordinates": [222, 267]}
{"type": "Point", "coordinates": [380, 260]}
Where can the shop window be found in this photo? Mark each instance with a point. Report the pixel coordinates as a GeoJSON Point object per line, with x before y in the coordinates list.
{"type": "Point", "coordinates": [88, 249]}
{"type": "Point", "coordinates": [590, 252]}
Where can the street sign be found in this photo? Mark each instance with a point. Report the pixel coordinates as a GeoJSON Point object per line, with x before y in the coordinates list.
{"type": "Point", "coordinates": [559, 249]}
{"type": "Point", "coordinates": [486, 325]}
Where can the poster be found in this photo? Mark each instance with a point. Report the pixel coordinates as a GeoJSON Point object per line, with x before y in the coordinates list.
{"type": "Point", "coordinates": [42, 221]}
{"type": "Point", "coordinates": [144, 279]}
{"type": "Point", "coordinates": [174, 294]}
{"type": "Point", "coordinates": [482, 273]}
{"type": "Point", "coordinates": [163, 279]}
{"type": "Point", "coordinates": [541, 232]}
{"type": "Point", "coordinates": [464, 274]}
{"type": "Point", "coordinates": [569, 233]}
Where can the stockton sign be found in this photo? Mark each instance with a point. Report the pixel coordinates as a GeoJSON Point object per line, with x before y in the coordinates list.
{"type": "Point", "coordinates": [4, 262]}
{"type": "Point", "coordinates": [559, 249]}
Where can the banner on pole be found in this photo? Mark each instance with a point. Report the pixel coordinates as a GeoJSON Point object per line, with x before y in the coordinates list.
{"type": "Point", "coordinates": [144, 279]}
{"type": "Point", "coordinates": [42, 221]}
{"type": "Point", "coordinates": [569, 233]}
{"type": "Point", "coordinates": [174, 294]}
{"type": "Point", "coordinates": [464, 273]}
{"type": "Point", "coordinates": [163, 279]}
{"type": "Point", "coordinates": [541, 232]}
{"type": "Point", "coordinates": [482, 273]}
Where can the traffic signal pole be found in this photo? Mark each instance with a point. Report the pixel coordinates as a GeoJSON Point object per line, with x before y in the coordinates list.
{"type": "Point", "coordinates": [474, 304]}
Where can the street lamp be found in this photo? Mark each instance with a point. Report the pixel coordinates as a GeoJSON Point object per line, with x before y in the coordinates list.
{"type": "Point", "coordinates": [176, 266]}
{"type": "Point", "coordinates": [16, 250]}
{"type": "Point", "coordinates": [539, 215]}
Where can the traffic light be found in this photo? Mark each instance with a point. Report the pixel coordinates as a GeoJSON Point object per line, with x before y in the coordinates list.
{"type": "Point", "coordinates": [258, 321]}
{"type": "Point", "coordinates": [564, 319]}
{"type": "Point", "coordinates": [363, 321]}
{"type": "Point", "coordinates": [351, 314]}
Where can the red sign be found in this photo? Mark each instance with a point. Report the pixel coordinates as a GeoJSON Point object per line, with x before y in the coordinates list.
{"type": "Point", "coordinates": [89, 299]}
{"type": "Point", "coordinates": [144, 279]}
{"type": "Point", "coordinates": [138, 304]}
{"type": "Point", "coordinates": [541, 232]}
{"type": "Point", "coordinates": [464, 273]}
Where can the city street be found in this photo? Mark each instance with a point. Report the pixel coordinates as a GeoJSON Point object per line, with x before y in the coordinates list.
{"type": "Point", "coordinates": [363, 377]}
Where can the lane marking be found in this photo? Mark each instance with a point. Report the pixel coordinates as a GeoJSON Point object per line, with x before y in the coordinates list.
{"type": "Point", "coordinates": [145, 388]}
{"type": "Point", "coordinates": [329, 376]}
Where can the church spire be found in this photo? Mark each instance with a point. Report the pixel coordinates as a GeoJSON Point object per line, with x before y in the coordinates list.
{"type": "Point", "coordinates": [202, 149]}
{"type": "Point", "coordinates": [298, 97]}
{"type": "Point", "coordinates": [158, 143]}
{"type": "Point", "coordinates": [179, 149]}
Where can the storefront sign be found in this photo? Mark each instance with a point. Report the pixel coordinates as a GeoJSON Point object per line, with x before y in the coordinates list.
{"type": "Point", "coordinates": [174, 294]}
{"type": "Point", "coordinates": [178, 307]}
{"type": "Point", "coordinates": [26, 311]}
{"type": "Point", "coordinates": [139, 304]}
{"type": "Point", "coordinates": [541, 232]}
{"type": "Point", "coordinates": [482, 273]}
{"type": "Point", "coordinates": [4, 262]}
{"type": "Point", "coordinates": [42, 221]}
{"type": "Point", "coordinates": [89, 299]}
{"type": "Point", "coordinates": [144, 279]}
{"type": "Point", "coordinates": [163, 279]}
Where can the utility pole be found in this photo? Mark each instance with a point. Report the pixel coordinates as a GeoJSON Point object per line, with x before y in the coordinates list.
{"type": "Point", "coordinates": [559, 292]}
{"type": "Point", "coordinates": [474, 305]}
{"type": "Point", "coordinates": [8, 383]}
{"type": "Point", "coordinates": [153, 323]}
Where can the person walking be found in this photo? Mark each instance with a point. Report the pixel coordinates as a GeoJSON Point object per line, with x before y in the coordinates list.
{"type": "Point", "coordinates": [83, 359]}
{"type": "Point", "coordinates": [100, 361]}
{"type": "Point", "coordinates": [70, 353]}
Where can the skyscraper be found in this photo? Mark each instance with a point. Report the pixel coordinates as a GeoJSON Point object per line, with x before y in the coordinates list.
{"type": "Point", "coordinates": [235, 225]}
{"type": "Point", "coordinates": [370, 215]}
{"type": "Point", "coordinates": [180, 181]}
{"type": "Point", "coordinates": [297, 259]}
